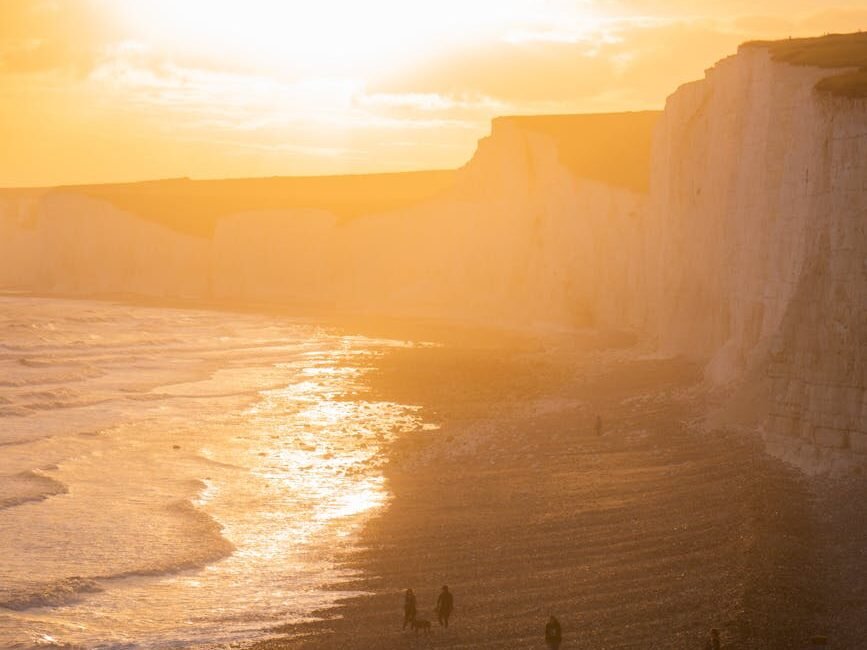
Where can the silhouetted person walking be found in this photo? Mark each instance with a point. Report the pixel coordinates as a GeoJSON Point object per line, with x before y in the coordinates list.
{"type": "Point", "coordinates": [713, 642]}
{"type": "Point", "coordinates": [553, 634]}
{"type": "Point", "coordinates": [409, 608]}
{"type": "Point", "coordinates": [598, 425]}
{"type": "Point", "coordinates": [445, 604]}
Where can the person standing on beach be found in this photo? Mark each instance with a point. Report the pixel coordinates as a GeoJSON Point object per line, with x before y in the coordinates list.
{"type": "Point", "coordinates": [598, 425]}
{"type": "Point", "coordinates": [409, 609]}
{"type": "Point", "coordinates": [445, 604]}
{"type": "Point", "coordinates": [553, 633]}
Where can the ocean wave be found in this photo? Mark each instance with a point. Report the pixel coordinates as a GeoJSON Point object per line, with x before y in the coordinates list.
{"type": "Point", "coordinates": [45, 642]}
{"type": "Point", "coordinates": [53, 594]}
{"type": "Point", "coordinates": [92, 318]}
{"type": "Point", "coordinates": [62, 394]}
{"type": "Point", "coordinates": [212, 547]}
{"type": "Point", "coordinates": [23, 410]}
{"type": "Point", "coordinates": [35, 362]}
{"type": "Point", "coordinates": [28, 487]}
{"type": "Point", "coordinates": [62, 345]}
{"type": "Point", "coordinates": [32, 401]}
{"type": "Point", "coordinates": [14, 412]}
{"type": "Point", "coordinates": [215, 463]}
{"type": "Point", "coordinates": [80, 372]}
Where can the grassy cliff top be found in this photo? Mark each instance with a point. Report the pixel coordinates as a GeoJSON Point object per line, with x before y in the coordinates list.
{"type": "Point", "coordinates": [830, 51]}
{"type": "Point", "coordinates": [613, 148]}
{"type": "Point", "coordinates": [194, 206]}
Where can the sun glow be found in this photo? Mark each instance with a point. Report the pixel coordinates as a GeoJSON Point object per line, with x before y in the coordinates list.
{"type": "Point", "coordinates": [334, 36]}
{"type": "Point", "coordinates": [242, 88]}
{"type": "Point", "coordinates": [324, 37]}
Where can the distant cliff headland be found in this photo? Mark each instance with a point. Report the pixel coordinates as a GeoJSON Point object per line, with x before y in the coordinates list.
{"type": "Point", "coordinates": [731, 227]}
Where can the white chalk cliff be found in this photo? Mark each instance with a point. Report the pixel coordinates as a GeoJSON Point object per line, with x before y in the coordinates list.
{"type": "Point", "coordinates": [759, 210]}
{"type": "Point", "coordinates": [748, 251]}
{"type": "Point", "coordinates": [518, 239]}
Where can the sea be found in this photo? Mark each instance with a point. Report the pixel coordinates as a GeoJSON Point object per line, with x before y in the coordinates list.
{"type": "Point", "coordinates": [180, 477]}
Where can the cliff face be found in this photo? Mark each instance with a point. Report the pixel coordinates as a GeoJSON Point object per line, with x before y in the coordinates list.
{"type": "Point", "coordinates": [520, 239]}
{"type": "Point", "coordinates": [520, 236]}
{"type": "Point", "coordinates": [68, 243]}
{"type": "Point", "coordinates": [759, 206]}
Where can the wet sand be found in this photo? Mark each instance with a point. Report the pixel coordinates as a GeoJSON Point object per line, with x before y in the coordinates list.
{"type": "Point", "coordinates": [644, 537]}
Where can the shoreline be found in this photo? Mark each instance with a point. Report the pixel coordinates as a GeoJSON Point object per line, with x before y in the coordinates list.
{"type": "Point", "coordinates": [418, 328]}
{"type": "Point", "coordinates": [644, 537]}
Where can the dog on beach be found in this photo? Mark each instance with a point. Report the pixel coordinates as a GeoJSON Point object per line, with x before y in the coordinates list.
{"type": "Point", "coordinates": [420, 624]}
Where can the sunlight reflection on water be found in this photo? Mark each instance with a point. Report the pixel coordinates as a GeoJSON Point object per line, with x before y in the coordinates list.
{"type": "Point", "coordinates": [274, 444]}
{"type": "Point", "coordinates": [314, 465]}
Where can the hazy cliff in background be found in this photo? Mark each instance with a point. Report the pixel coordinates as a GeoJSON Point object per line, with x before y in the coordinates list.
{"type": "Point", "coordinates": [538, 228]}
{"type": "Point", "coordinates": [730, 228]}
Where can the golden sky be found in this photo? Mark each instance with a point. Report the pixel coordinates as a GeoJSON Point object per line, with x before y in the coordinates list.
{"type": "Point", "coordinates": [114, 90]}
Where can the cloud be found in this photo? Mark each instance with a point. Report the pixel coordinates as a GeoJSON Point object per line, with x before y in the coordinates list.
{"type": "Point", "coordinates": [512, 72]}
{"type": "Point", "coordinates": [204, 100]}
{"type": "Point", "coordinates": [169, 85]}
{"type": "Point", "coordinates": [614, 63]}
{"type": "Point", "coordinates": [845, 19]}
{"type": "Point", "coordinates": [124, 83]}
{"type": "Point", "coordinates": [469, 108]}
{"type": "Point", "coordinates": [629, 64]}
{"type": "Point", "coordinates": [686, 9]}
{"type": "Point", "coordinates": [42, 36]}
{"type": "Point", "coordinates": [42, 55]}
{"type": "Point", "coordinates": [764, 26]}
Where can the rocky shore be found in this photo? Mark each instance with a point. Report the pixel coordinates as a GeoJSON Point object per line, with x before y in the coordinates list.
{"type": "Point", "coordinates": [643, 537]}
